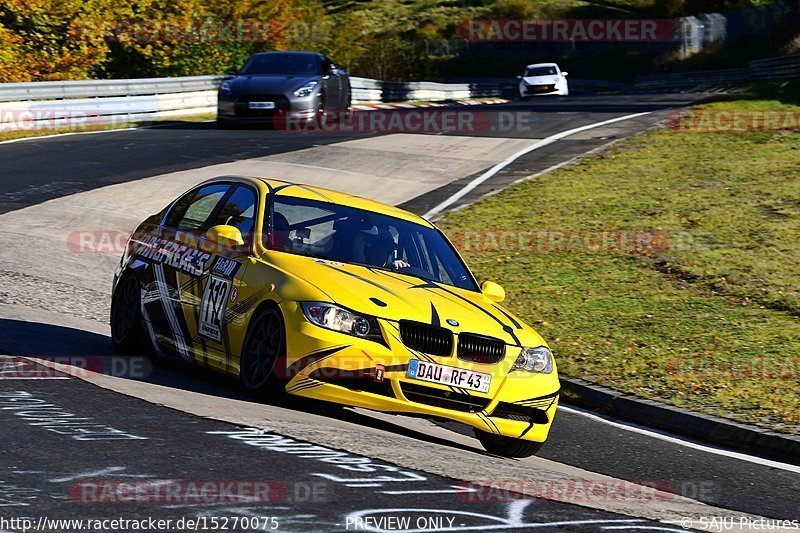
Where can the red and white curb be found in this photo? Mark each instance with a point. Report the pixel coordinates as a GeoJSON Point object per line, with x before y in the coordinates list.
{"type": "Point", "coordinates": [412, 105]}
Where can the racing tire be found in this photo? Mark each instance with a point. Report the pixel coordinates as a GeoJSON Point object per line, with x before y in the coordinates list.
{"type": "Point", "coordinates": [263, 349]}
{"type": "Point", "coordinates": [126, 315]}
{"type": "Point", "coordinates": [347, 114]}
{"type": "Point", "coordinates": [507, 446]}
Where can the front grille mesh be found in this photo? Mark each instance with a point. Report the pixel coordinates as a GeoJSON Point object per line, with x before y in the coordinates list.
{"type": "Point", "coordinates": [427, 339]}
{"type": "Point", "coordinates": [479, 349]}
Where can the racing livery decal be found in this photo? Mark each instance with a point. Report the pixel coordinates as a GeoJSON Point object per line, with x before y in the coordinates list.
{"type": "Point", "coordinates": [215, 298]}
{"type": "Point", "coordinates": [321, 318]}
{"type": "Point", "coordinates": [179, 256]}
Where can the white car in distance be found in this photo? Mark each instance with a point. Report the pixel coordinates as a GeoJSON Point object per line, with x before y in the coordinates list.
{"type": "Point", "coordinates": [543, 79]}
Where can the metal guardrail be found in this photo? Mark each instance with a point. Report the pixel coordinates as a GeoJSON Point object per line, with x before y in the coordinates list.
{"type": "Point", "coordinates": [366, 90]}
{"type": "Point", "coordinates": [55, 90]}
{"type": "Point", "coordinates": [778, 68]}
{"type": "Point", "coordinates": [781, 68]}
{"type": "Point", "coordinates": [45, 104]}
{"type": "Point", "coordinates": [54, 104]}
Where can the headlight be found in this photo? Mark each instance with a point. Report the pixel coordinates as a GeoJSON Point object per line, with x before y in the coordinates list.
{"type": "Point", "coordinates": [330, 316]}
{"type": "Point", "coordinates": [306, 89]}
{"type": "Point", "coordinates": [225, 87]}
{"type": "Point", "coordinates": [534, 360]}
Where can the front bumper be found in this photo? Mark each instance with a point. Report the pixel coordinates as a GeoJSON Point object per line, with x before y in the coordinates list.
{"type": "Point", "coordinates": [539, 90]}
{"type": "Point", "coordinates": [331, 366]}
{"type": "Point", "coordinates": [287, 108]}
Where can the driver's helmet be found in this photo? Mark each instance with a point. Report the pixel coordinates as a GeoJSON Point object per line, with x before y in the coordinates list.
{"type": "Point", "coordinates": [380, 249]}
{"type": "Point", "coordinates": [280, 231]}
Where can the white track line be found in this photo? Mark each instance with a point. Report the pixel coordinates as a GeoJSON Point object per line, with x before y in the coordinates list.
{"type": "Point", "coordinates": [629, 427]}
{"type": "Point", "coordinates": [535, 146]}
{"type": "Point", "coordinates": [680, 441]}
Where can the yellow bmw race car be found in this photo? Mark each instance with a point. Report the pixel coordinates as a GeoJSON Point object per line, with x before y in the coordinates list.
{"type": "Point", "coordinates": [300, 290]}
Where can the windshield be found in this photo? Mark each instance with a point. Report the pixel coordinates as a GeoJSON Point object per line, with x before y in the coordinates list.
{"type": "Point", "coordinates": [344, 234]}
{"type": "Point", "coordinates": [283, 65]}
{"type": "Point", "coordinates": [541, 71]}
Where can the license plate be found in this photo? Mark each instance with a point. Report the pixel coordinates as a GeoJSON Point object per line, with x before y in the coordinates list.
{"type": "Point", "coordinates": [262, 105]}
{"type": "Point", "coordinates": [449, 375]}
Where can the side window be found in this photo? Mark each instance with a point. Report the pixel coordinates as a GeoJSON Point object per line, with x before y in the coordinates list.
{"type": "Point", "coordinates": [239, 211]}
{"type": "Point", "coordinates": [191, 213]}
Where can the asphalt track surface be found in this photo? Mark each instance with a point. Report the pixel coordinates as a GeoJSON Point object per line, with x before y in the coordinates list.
{"type": "Point", "coordinates": [37, 170]}
{"type": "Point", "coordinates": [41, 470]}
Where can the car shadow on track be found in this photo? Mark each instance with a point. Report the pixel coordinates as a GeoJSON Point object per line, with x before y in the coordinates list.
{"type": "Point", "coordinates": [87, 350]}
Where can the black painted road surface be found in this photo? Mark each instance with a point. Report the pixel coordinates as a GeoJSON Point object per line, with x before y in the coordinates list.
{"type": "Point", "coordinates": [75, 451]}
{"type": "Point", "coordinates": [37, 170]}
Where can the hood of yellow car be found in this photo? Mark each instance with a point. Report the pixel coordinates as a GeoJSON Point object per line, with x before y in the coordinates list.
{"type": "Point", "coordinates": [394, 296]}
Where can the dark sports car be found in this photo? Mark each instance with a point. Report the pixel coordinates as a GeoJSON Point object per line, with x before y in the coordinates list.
{"type": "Point", "coordinates": [285, 89]}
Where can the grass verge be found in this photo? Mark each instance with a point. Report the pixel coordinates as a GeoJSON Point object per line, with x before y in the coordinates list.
{"type": "Point", "coordinates": [708, 318]}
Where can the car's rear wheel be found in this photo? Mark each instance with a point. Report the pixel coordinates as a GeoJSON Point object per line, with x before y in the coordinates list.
{"type": "Point", "coordinates": [126, 314]}
{"type": "Point", "coordinates": [507, 446]}
{"type": "Point", "coordinates": [264, 347]}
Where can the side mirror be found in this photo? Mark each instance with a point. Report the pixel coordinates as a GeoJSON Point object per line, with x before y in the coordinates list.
{"type": "Point", "coordinates": [565, 74]}
{"type": "Point", "coordinates": [225, 236]}
{"type": "Point", "coordinates": [232, 72]}
{"type": "Point", "coordinates": [493, 291]}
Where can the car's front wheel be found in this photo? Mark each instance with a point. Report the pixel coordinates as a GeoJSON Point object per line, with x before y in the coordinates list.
{"type": "Point", "coordinates": [264, 348]}
{"type": "Point", "coordinates": [321, 117]}
{"type": "Point", "coordinates": [507, 446]}
{"type": "Point", "coordinates": [126, 314]}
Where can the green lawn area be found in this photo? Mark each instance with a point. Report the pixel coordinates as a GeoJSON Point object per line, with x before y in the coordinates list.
{"type": "Point", "coordinates": [711, 320]}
